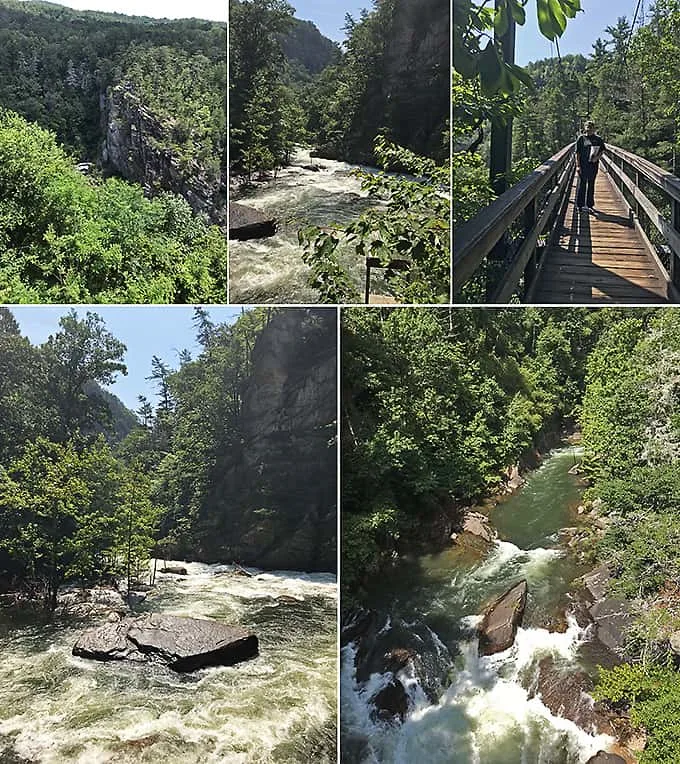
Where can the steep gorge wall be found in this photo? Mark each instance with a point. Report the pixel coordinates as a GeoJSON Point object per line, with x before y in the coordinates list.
{"type": "Point", "coordinates": [274, 503]}
{"type": "Point", "coordinates": [135, 146]}
{"type": "Point", "coordinates": [417, 74]}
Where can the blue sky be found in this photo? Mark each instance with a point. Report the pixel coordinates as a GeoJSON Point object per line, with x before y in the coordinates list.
{"type": "Point", "coordinates": [580, 33]}
{"type": "Point", "coordinates": [213, 10]}
{"type": "Point", "coordinates": [329, 15]}
{"type": "Point", "coordinates": [146, 331]}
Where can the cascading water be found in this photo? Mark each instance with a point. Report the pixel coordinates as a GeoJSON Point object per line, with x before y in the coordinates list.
{"type": "Point", "coordinates": [489, 711]}
{"type": "Point", "coordinates": [272, 269]}
{"type": "Point", "coordinates": [278, 707]}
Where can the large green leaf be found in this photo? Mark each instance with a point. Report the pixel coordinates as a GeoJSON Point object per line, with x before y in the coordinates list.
{"type": "Point", "coordinates": [517, 11]}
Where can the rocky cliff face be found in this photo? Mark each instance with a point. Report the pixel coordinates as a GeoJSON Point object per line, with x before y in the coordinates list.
{"type": "Point", "coordinates": [136, 147]}
{"type": "Point", "coordinates": [417, 74]}
{"type": "Point", "coordinates": [275, 503]}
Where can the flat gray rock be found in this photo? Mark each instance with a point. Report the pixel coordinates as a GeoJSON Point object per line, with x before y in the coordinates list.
{"type": "Point", "coordinates": [248, 223]}
{"type": "Point", "coordinates": [613, 620]}
{"type": "Point", "coordinates": [182, 644]}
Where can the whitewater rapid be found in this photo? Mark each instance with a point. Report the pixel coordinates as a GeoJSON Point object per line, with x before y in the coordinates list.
{"type": "Point", "coordinates": [272, 269]}
{"type": "Point", "coordinates": [278, 707]}
{"type": "Point", "coordinates": [486, 715]}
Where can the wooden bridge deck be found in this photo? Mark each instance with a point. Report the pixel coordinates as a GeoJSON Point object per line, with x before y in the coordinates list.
{"type": "Point", "coordinates": [600, 257]}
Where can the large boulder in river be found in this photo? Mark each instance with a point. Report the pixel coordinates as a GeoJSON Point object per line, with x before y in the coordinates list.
{"type": "Point", "coordinates": [177, 570]}
{"type": "Point", "coordinates": [501, 621]}
{"type": "Point", "coordinates": [602, 757]}
{"type": "Point", "coordinates": [183, 644]}
{"type": "Point", "coordinates": [248, 223]}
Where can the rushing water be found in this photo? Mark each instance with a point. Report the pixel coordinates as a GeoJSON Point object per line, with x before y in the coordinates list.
{"type": "Point", "coordinates": [486, 714]}
{"type": "Point", "coordinates": [278, 707]}
{"type": "Point", "coordinates": [272, 269]}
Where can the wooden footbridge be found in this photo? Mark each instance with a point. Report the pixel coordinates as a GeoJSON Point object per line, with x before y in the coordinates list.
{"type": "Point", "coordinates": [532, 245]}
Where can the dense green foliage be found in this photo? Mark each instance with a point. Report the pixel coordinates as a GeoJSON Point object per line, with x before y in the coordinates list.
{"type": "Point", "coordinates": [393, 76]}
{"type": "Point", "coordinates": [437, 403]}
{"type": "Point", "coordinates": [67, 238]}
{"type": "Point", "coordinates": [631, 430]}
{"type": "Point", "coordinates": [76, 506]}
{"type": "Point", "coordinates": [56, 64]}
{"type": "Point", "coordinates": [65, 499]}
{"type": "Point", "coordinates": [265, 117]}
{"type": "Point", "coordinates": [412, 224]}
{"type": "Point", "coordinates": [130, 97]}
{"type": "Point", "coordinates": [652, 695]}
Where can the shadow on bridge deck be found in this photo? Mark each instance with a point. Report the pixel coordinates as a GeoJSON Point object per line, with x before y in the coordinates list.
{"type": "Point", "coordinates": [600, 257]}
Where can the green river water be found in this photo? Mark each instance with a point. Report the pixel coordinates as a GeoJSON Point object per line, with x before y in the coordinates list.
{"type": "Point", "coordinates": [278, 707]}
{"type": "Point", "coordinates": [486, 715]}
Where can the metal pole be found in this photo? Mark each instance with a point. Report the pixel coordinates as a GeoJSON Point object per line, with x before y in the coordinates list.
{"type": "Point", "coordinates": [501, 134]}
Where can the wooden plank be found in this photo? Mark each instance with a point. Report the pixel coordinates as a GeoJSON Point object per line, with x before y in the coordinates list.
{"type": "Point", "coordinates": [599, 260]}
{"type": "Point", "coordinates": [560, 298]}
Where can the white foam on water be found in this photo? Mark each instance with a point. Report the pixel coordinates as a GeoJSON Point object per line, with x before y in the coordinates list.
{"type": "Point", "coordinates": [528, 561]}
{"type": "Point", "coordinates": [56, 708]}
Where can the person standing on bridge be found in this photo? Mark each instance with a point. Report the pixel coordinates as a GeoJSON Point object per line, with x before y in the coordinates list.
{"type": "Point", "coordinates": [589, 149]}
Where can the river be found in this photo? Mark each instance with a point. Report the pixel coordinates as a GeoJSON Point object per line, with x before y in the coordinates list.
{"type": "Point", "coordinates": [271, 270]}
{"type": "Point", "coordinates": [278, 707]}
{"type": "Point", "coordinates": [485, 713]}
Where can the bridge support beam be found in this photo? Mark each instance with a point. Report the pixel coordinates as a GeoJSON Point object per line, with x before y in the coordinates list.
{"type": "Point", "coordinates": [501, 134]}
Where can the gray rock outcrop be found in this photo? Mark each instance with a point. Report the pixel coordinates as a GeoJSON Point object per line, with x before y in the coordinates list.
{"type": "Point", "coordinates": [137, 146]}
{"type": "Point", "coordinates": [248, 223]}
{"type": "Point", "coordinates": [182, 644]}
{"type": "Point", "coordinates": [273, 499]}
{"type": "Point", "coordinates": [499, 627]}
{"type": "Point", "coordinates": [478, 525]}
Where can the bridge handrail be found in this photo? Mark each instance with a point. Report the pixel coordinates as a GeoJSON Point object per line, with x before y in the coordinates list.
{"type": "Point", "coordinates": [474, 239]}
{"type": "Point", "coordinates": [660, 179]}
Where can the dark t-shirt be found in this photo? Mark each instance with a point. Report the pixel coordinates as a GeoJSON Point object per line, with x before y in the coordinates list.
{"type": "Point", "coordinates": [583, 146]}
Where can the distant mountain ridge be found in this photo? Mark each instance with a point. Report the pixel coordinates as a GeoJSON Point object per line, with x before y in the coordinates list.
{"type": "Point", "coordinates": [123, 420]}
{"type": "Point", "coordinates": [308, 47]}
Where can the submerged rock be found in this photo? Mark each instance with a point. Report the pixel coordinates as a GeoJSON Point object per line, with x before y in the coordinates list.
{"type": "Point", "coordinates": [566, 692]}
{"type": "Point", "coordinates": [248, 223]}
{"type": "Point", "coordinates": [183, 644]}
{"type": "Point", "coordinates": [391, 701]}
{"type": "Point", "coordinates": [501, 621]}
